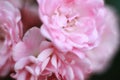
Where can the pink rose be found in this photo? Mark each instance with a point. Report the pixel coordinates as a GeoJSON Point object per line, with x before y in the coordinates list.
{"type": "Point", "coordinates": [72, 24]}
{"type": "Point", "coordinates": [68, 66]}
{"type": "Point", "coordinates": [51, 64]}
{"type": "Point", "coordinates": [29, 68]}
{"type": "Point", "coordinates": [36, 59]}
{"type": "Point", "coordinates": [81, 27]}
{"type": "Point", "coordinates": [10, 34]}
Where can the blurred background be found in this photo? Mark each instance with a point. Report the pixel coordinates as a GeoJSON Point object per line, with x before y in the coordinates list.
{"type": "Point", "coordinates": [113, 73]}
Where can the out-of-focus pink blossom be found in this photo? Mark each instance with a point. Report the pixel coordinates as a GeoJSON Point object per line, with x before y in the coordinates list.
{"type": "Point", "coordinates": [51, 64]}
{"type": "Point", "coordinates": [10, 34]}
{"type": "Point", "coordinates": [101, 55]}
{"type": "Point", "coordinates": [72, 24]}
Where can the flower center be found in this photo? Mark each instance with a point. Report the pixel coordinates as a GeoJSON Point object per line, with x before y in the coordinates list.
{"type": "Point", "coordinates": [67, 18]}
{"type": "Point", "coordinates": [71, 25]}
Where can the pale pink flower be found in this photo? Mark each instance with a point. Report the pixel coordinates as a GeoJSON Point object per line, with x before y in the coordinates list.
{"type": "Point", "coordinates": [37, 59]}
{"type": "Point", "coordinates": [51, 64]}
{"type": "Point", "coordinates": [10, 34]}
{"type": "Point", "coordinates": [30, 68]}
{"type": "Point", "coordinates": [102, 55]}
{"type": "Point", "coordinates": [81, 26]}
{"type": "Point", "coordinates": [68, 66]}
{"type": "Point", "coordinates": [72, 24]}
{"type": "Point", "coordinates": [31, 56]}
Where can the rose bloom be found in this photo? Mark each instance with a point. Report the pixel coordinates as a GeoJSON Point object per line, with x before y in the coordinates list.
{"type": "Point", "coordinates": [72, 24]}
{"type": "Point", "coordinates": [37, 59]}
{"type": "Point", "coordinates": [10, 34]}
{"type": "Point", "coordinates": [81, 26]}
{"type": "Point", "coordinates": [50, 64]}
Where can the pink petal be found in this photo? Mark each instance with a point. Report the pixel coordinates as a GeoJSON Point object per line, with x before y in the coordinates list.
{"type": "Point", "coordinates": [45, 54]}
{"type": "Point", "coordinates": [21, 63]}
{"type": "Point", "coordinates": [70, 73]}
{"type": "Point", "coordinates": [44, 64]}
{"type": "Point", "coordinates": [37, 70]}
{"type": "Point", "coordinates": [79, 74]}
{"type": "Point", "coordinates": [20, 51]}
{"type": "Point", "coordinates": [22, 76]}
{"type": "Point", "coordinates": [44, 32]}
{"type": "Point", "coordinates": [54, 61]}
{"type": "Point", "coordinates": [44, 45]}
{"type": "Point", "coordinates": [29, 69]}
{"type": "Point", "coordinates": [48, 8]}
{"type": "Point", "coordinates": [33, 37]}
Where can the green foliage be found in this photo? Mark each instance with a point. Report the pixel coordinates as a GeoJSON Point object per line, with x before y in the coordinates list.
{"type": "Point", "coordinates": [114, 3]}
